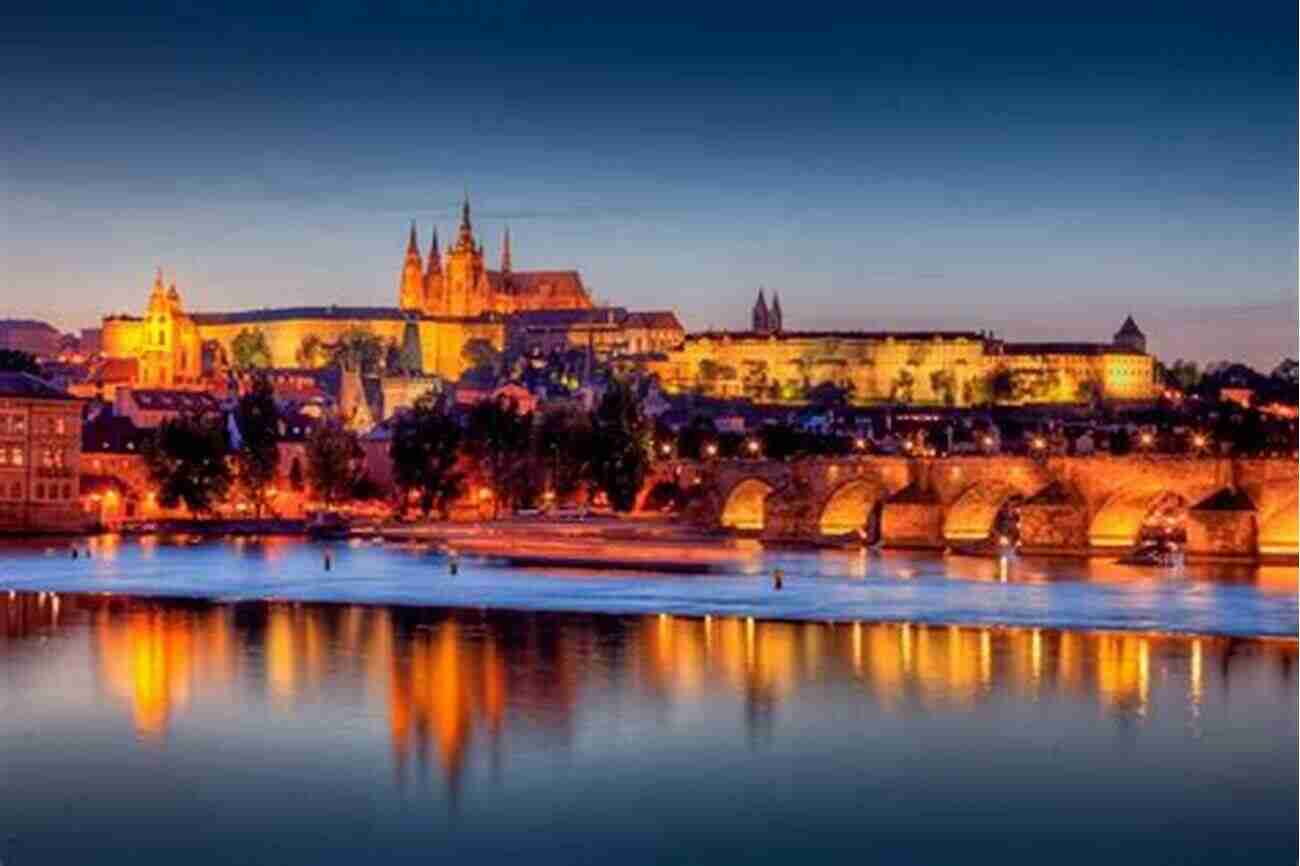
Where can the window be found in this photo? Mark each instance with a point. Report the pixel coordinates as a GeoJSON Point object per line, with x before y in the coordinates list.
{"type": "Point", "coordinates": [67, 490]}
{"type": "Point", "coordinates": [16, 490]}
{"type": "Point", "coordinates": [19, 424]}
{"type": "Point", "coordinates": [39, 492]}
{"type": "Point", "coordinates": [16, 456]}
{"type": "Point", "coordinates": [60, 426]}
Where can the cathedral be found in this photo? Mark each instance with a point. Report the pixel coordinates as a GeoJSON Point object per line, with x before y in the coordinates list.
{"type": "Point", "coordinates": [458, 284]}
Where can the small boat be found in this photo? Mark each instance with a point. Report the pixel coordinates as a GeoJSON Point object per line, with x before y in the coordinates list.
{"type": "Point", "coordinates": [328, 526]}
{"type": "Point", "coordinates": [1153, 555]}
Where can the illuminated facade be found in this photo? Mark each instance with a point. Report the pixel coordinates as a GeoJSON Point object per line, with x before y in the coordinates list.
{"type": "Point", "coordinates": [453, 299]}
{"type": "Point", "coordinates": [40, 456]}
{"type": "Point", "coordinates": [952, 368]}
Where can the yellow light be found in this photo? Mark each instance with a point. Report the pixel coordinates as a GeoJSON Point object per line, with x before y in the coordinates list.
{"type": "Point", "coordinates": [484, 494]}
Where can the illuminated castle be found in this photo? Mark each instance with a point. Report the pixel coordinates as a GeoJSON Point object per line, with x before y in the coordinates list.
{"type": "Point", "coordinates": [451, 299]}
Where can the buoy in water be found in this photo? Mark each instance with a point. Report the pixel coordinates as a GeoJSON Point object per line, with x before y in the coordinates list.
{"type": "Point", "coordinates": [453, 564]}
{"type": "Point", "coordinates": [778, 578]}
{"type": "Point", "coordinates": [328, 561]}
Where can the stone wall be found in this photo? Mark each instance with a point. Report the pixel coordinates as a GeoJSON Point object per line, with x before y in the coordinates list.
{"type": "Point", "coordinates": [907, 524]}
{"type": "Point", "coordinates": [1221, 533]}
{"type": "Point", "coordinates": [1053, 527]}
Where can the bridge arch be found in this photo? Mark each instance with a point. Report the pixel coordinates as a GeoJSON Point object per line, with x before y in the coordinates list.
{"type": "Point", "coordinates": [854, 505]}
{"type": "Point", "coordinates": [1120, 520]}
{"type": "Point", "coordinates": [1279, 529]}
{"type": "Point", "coordinates": [972, 516]}
{"type": "Point", "coordinates": [745, 505]}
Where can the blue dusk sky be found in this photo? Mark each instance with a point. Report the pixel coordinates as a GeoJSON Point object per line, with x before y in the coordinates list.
{"type": "Point", "coordinates": [1037, 169]}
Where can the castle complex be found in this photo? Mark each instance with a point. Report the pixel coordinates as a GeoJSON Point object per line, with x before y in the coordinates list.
{"type": "Point", "coordinates": [950, 368]}
{"type": "Point", "coordinates": [446, 301]}
{"type": "Point", "coordinates": [453, 299]}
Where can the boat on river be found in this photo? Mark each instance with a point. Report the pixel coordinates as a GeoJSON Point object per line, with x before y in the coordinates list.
{"type": "Point", "coordinates": [664, 557]}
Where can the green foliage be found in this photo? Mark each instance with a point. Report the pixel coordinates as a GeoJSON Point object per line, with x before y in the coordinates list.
{"type": "Point", "coordinates": [358, 349]}
{"type": "Point", "coordinates": [333, 455]}
{"type": "Point", "coordinates": [186, 459]}
{"type": "Point", "coordinates": [249, 350]}
{"type": "Point", "coordinates": [1002, 385]}
{"type": "Point", "coordinates": [498, 438]}
{"type": "Point", "coordinates": [257, 457]}
{"type": "Point", "coordinates": [1288, 371]}
{"type": "Point", "coordinates": [312, 352]}
{"type": "Point", "coordinates": [424, 451]}
{"type": "Point", "coordinates": [900, 390]}
{"type": "Point", "coordinates": [620, 446]}
{"type": "Point", "coordinates": [15, 361]}
{"type": "Point", "coordinates": [944, 385]}
{"type": "Point", "coordinates": [1183, 375]}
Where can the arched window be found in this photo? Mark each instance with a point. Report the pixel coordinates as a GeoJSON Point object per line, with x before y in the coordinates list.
{"type": "Point", "coordinates": [39, 493]}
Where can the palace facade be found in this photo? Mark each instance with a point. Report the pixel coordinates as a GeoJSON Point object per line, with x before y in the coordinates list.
{"type": "Point", "coordinates": [952, 368]}
{"type": "Point", "coordinates": [453, 298]}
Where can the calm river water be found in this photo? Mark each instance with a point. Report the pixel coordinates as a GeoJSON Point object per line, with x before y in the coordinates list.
{"type": "Point", "coordinates": [687, 727]}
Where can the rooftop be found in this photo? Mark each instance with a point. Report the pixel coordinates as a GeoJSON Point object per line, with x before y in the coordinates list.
{"type": "Point", "coordinates": [27, 386]}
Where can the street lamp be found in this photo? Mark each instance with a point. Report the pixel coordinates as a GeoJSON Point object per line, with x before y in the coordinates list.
{"type": "Point", "coordinates": [711, 450]}
{"type": "Point", "coordinates": [860, 444]}
{"type": "Point", "coordinates": [1146, 439]}
{"type": "Point", "coordinates": [1200, 442]}
{"type": "Point", "coordinates": [752, 447]}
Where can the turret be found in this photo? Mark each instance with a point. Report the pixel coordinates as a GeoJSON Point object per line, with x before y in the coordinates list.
{"type": "Point", "coordinates": [1130, 336]}
{"type": "Point", "coordinates": [411, 290]}
{"type": "Point", "coordinates": [762, 320]}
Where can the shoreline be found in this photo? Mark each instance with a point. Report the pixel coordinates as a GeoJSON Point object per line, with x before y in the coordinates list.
{"type": "Point", "coordinates": [167, 596]}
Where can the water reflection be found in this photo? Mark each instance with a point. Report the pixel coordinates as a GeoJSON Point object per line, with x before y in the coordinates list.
{"type": "Point", "coordinates": [451, 681]}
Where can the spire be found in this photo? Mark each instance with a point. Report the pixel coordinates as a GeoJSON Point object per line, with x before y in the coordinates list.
{"type": "Point", "coordinates": [434, 265]}
{"type": "Point", "coordinates": [505, 253]}
{"type": "Point", "coordinates": [412, 245]}
{"type": "Point", "coordinates": [775, 315]}
{"type": "Point", "coordinates": [762, 320]}
{"type": "Point", "coordinates": [158, 280]}
{"type": "Point", "coordinates": [466, 237]}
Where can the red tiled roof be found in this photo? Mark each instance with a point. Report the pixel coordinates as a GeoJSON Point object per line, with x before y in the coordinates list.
{"type": "Point", "coordinates": [160, 400]}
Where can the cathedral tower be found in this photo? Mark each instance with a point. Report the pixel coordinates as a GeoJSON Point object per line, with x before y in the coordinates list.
{"type": "Point", "coordinates": [762, 321]}
{"type": "Point", "coordinates": [465, 280]}
{"type": "Point", "coordinates": [411, 293]}
{"type": "Point", "coordinates": [433, 283]}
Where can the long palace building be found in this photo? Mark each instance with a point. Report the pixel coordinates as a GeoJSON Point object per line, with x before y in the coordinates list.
{"type": "Point", "coordinates": [452, 298]}
{"type": "Point", "coordinates": [954, 368]}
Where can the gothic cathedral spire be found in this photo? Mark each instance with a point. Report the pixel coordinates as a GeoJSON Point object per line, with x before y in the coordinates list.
{"type": "Point", "coordinates": [411, 293]}
{"type": "Point", "coordinates": [434, 264]}
{"type": "Point", "coordinates": [762, 321]}
{"type": "Point", "coordinates": [505, 253]}
{"type": "Point", "coordinates": [775, 317]}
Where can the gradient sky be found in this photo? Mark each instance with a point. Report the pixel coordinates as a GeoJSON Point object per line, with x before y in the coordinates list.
{"type": "Point", "coordinates": [1037, 169]}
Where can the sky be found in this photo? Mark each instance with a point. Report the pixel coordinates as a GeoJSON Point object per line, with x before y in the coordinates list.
{"type": "Point", "coordinates": [1040, 170]}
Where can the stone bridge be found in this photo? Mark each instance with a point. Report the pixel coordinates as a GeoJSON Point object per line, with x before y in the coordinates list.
{"type": "Point", "coordinates": [1229, 507]}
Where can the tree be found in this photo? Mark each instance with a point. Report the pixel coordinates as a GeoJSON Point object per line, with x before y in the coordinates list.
{"type": "Point", "coordinates": [944, 386]}
{"type": "Point", "coordinates": [186, 459]}
{"type": "Point", "coordinates": [424, 450]}
{"type": "Point", "coordinates": [901, 389]}
{"type": "Point", "coordinates": [1288, 371]}
{"type": "Point", "coordinates": [312, 352]}
{"type": "Point", "coordinates": [249, 350]}
{"type": "Point", "coordinates": [14, 361]}
{"type": "Point", "coordinates": [257, 456]}
{"type": "Point", "coordinates": [562, 443]}
{"type": "Point", "coordinates": [1002, 385]}
{"type": "Point", "coordinates": [497, 437]}
{"type": "Point", "coordinates": [480, 354]}
{"type": "Point", "coordinates": [358, 349]}
{"type": "Point", "coordinates": [1184, 375]}
{"type": "Point", "coordinates": [620, 453]}
{"type": "Point", "coordinates": [333, 455]}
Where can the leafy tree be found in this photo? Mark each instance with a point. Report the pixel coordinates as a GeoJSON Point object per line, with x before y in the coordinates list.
{"type": "Point", "coordinates": [944, 385]}
{"type": "Point", "coordinates": [333, 454]}
{"type": "Point", "coordinates": [562, 442]}
{"type": "Point", "coordinates": [424, 450]}
{"type": "Point", "coordinates": [14, 361]}
{"type": "Point", "coordinates": [358, 349]}
{"type": "Point", "coordinates": [901, 389]}
{"type": "Point", "coordinates": [250, 350]}
{"type": "Point", "coordinates": [1087, 390]}
{"type": "Point", "coordinates": [1183, 375]}
{"type": "Point", "coordinates": [620, 446]}
{"type": "Point", "coordinates": [312, 352]}
{"type": "Point", "coordinates": [1288, 372]}
{"type": "Point", "coordinates": [480, 354]}
{"type": "Point", "coordinates": [1002, 385]}
{"type": "Point", "coordinates": [257, 457]}
{"type": "Point", "coordinates": [497, 436]}
{"type": "Point", "coordinates": [186, 459]}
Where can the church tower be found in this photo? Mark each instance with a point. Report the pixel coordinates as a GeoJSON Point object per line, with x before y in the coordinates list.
{"type": "Point", "coordinates": [411, 293]}
{"type": "Point", "coordinates": [775, 318]}
{"type": "Point", "coordinates": [762, 321]}
{"type": "Point", "coordinates": [465, 280]}
{"type": "Point", "coordinates": [433, 284]}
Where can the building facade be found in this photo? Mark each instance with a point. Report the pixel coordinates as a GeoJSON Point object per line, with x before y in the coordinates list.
{"type": "Point", "coordinates": [945, 368]}
{"type": "Point", "coordinates": [453, 299]}
{"type": "Point", "coordinates": [40, 456]}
